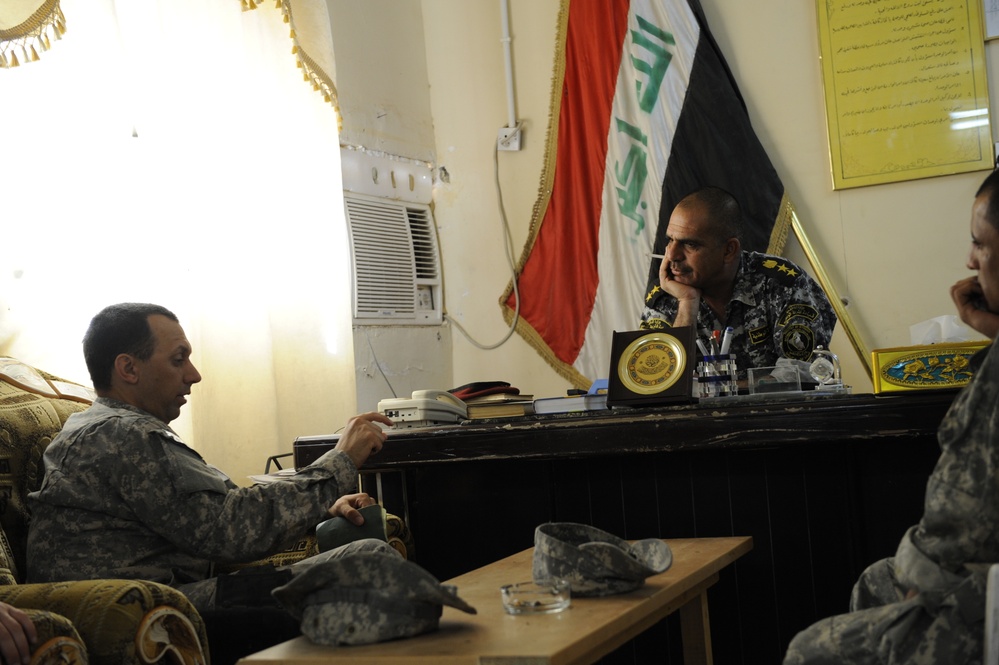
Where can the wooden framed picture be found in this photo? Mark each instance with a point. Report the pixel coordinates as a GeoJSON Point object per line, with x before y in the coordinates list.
{"type": "Point", "coordinates": [651, 367]}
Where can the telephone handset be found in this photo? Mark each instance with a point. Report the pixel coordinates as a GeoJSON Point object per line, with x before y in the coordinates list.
{"type": "Point", "coordinates": [440, 396]}
{"type": "Point", "coordinates": [424, 408]}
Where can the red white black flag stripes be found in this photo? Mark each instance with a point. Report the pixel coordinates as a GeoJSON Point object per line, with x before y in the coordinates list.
{"type": "Point", "coordinates": [644, 111]}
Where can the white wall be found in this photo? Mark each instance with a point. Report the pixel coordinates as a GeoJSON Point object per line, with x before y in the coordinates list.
{"type": "Point", "coordinates": [381, 76]}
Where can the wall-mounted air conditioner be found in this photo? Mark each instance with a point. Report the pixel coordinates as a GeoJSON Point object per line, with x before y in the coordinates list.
{"type": "Point", "coordinates": [396, 262]}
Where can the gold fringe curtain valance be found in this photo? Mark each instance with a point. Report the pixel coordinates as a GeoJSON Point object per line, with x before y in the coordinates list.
{"type": "Point", "coordinates": [27, 27]}
{"type": "Point", "coordinates": [312, 45]}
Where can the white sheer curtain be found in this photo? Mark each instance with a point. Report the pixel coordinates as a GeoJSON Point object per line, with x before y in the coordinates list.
{"type": "Point", "coordinates": [170, 151]}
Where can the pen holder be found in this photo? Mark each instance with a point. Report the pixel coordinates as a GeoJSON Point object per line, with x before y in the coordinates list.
{"type": "Point", "coordinates": [716, 376]}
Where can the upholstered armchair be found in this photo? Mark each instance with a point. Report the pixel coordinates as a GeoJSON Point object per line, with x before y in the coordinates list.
{"type": "Point", "coordinates": [106, 621]}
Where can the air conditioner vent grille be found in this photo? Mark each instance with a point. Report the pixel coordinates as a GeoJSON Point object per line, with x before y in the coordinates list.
{"type": "Point", "coordinates": [396, 263]}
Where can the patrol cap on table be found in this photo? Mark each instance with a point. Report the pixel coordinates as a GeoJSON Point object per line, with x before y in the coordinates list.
{"type": "Point", "coordinates": [367, 597]}
{"type": "Point", "coordinates": [595, 562]}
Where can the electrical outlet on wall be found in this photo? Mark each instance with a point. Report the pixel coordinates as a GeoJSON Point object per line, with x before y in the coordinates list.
{"type": "Point", "coordinates": [509, 138]}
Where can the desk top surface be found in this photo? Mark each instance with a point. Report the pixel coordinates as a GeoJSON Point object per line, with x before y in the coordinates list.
{"type": "Point", "coordinates": [588, 625]}
{"type": "Point", "coordinates": [761, 423]}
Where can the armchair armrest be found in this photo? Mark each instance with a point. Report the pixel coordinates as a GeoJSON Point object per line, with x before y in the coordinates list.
{"type": "Point", "coordinates": [121, 621]}
{"type": "Point", "coordinates": [58, 642]}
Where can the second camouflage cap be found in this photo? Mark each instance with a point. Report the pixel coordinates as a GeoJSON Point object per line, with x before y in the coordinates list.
{"type": "Point", "coordinates": [595, 562]}
{"type": "Point", "coordinates": [367, 597]}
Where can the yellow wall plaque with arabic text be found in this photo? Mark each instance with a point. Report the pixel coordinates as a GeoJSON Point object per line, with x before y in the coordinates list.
{"type": "Point", "coordinates": [906, 89]}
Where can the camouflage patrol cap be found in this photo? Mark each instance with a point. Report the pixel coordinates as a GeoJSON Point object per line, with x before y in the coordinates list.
{"type": "Point", "coordinates": [367, 597]}
{"type": "Point", "coordinates": [595, 562]}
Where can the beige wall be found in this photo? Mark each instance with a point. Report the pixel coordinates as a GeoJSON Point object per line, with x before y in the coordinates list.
{"type": "Point", "coordinates": [381, 76]}
{"type": "Point", "coordinates": [892, 250]}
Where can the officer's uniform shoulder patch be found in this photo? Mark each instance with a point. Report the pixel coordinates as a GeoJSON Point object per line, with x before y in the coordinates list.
{"type": "Point", "coordinates": [780, 270]}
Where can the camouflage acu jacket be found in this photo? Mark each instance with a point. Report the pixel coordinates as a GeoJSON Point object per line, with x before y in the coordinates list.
{"type": "Point", "coordinates": [124, 497]}
{"type": "Point", "coordinates": [959, 529]}
{"type": "Point", "coordinates": [776, 311]}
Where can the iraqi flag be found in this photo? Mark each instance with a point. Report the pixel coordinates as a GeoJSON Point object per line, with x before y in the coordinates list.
{"type": "Point", "coordinates": [644, 111]}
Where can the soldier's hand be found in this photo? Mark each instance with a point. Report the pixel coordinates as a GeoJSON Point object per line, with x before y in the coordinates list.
{"type": "Point", "coordinates": [347, 507]}
{"type": "Point", "coordinates": [972, 308]}
{"type": "Point", "coordinates": [17, 635]}
{"type": "Point", "coordinates": [363, 437]}
{"type": "Point", "coordinates": [688, 297]}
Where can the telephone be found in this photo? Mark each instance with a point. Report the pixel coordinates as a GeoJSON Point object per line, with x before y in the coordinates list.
{"type": "Point", "coordinates": [424, 408]}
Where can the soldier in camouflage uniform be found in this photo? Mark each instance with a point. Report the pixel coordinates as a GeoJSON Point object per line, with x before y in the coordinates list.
{"type": "Point", "coordinates": [124, 497]}
{"type": "Point", "coordinates": [926, 605]}
{"type": "Point", "coordinates": [707, 281]}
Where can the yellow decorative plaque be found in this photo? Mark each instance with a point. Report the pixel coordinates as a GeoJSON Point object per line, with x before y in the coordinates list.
{"type": "Point", "coordinates": [650, 367]}
{"type": "Point", "coordinates": [931, 366]}
{"type": "Point", "coordinates": [906, 89]}
{"type": "Point", "coordinates": [652, 363]}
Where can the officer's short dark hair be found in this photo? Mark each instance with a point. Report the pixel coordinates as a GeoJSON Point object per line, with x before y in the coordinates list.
{"type": "Point", "coordinates": [722, 209]}
{"type": "Point", "coordinates": [990, 188]}
{"type": "Point", "coordinates": [117, 329]}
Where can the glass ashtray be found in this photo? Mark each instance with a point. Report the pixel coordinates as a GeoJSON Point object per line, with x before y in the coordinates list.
{"type": "Point", "coordinates": [536, 598]}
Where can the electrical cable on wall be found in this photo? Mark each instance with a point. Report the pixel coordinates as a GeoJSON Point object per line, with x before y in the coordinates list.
{"type": "Point", "coordinates": [378, 364]}
{"type": "Point", "coordinates": [513, 267]}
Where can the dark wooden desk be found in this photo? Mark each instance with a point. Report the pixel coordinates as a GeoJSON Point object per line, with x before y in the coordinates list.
{"type": "Point", "coordinates": [581, 634]}
{"type": "Point", "coordinates": [824, 486]}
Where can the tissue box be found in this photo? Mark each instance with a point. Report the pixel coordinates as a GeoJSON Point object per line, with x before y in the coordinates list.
{"type": "Point", "coordinates": [761, 380]}
{"type": "Point", "coordinates": [928, 366]}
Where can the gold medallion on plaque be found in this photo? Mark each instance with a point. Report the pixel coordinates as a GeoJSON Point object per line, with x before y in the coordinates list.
{"type": "Point", "coordinates": [652, 363]}
{"type": "Point", "coordinates": [651, 367]}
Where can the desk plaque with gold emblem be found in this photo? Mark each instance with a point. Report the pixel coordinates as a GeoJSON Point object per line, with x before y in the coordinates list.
{"type": "Point", "coordinates": [651, 367]}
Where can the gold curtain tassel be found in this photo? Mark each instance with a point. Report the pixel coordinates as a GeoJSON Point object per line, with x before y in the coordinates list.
{"type": "Point", "coordinates": [294, 49]}
{"type": "Point", "coordinates": [13, 60]}
{"type": "Point", "coordinates": [287, 19]}
{"type": "Point", "coordinates": [292, 33]}
{"type": "Point", "coordinates": [3, 61]}
{"type": "Point", "coordinates": [315, 86]}
{"type": "Point", "coordinates": [46, 44]}
{"type": "Point", "coordinates": [326, 98]}
{"type": "Point", "coordinates": [253, 5]}
{"type": "Point", "coordinates": [34, 54]}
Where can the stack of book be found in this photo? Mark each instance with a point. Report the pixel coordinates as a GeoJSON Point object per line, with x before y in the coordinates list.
{"type": "Point", "coordinates": [500, 405]}
{"type": "Point", "coordinates": [571, 403]}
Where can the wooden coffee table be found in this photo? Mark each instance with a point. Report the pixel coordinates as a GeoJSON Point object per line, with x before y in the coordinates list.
{"type": "Point", "coordinates": [589, 629]}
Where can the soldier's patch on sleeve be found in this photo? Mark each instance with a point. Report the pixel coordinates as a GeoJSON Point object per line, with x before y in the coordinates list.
{"type": "Point", "coordinates": [759, 335]}
{"type": "Point", "coordinates": [797, 342]}
{"type": "Point", "coordinates": [654, 324]}
{"type": "Point", "coordinates": [797, 310]}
